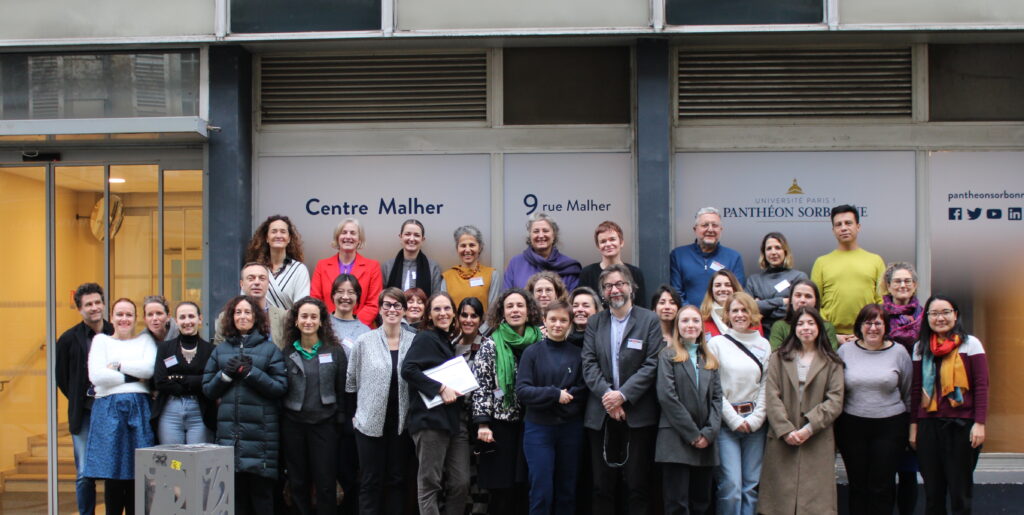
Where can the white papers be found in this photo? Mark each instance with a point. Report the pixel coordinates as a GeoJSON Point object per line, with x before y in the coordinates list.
{"type": "Point", "coordinates": [454, 374]}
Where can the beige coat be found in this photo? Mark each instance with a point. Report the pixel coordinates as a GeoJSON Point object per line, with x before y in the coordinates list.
{"type": "Point", "coordinates": [801, 479]}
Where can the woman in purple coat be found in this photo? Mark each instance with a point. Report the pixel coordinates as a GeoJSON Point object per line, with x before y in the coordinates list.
{"type": "Point", "coordinates": [540, 254]}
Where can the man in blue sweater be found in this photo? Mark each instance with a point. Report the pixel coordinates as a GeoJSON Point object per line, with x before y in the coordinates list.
{"type": "Point", "coordinates": [691, 266]}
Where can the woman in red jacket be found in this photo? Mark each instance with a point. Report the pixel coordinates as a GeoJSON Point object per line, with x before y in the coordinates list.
{"type": "Point", "coordinates": [348, 239]}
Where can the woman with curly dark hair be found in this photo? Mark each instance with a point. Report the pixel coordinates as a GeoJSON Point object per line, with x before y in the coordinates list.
{"type": "Point", "coordinates": [277, 244]}
{"type": "Point", "coordinates": [314, 405]}
{"type": "Point", "coordinates": [246, 373]}
{"type": "Point", "coordinates": [496, 409]}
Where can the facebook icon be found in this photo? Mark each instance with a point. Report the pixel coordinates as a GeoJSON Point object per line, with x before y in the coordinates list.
{"type": "Point", "coordinates": [956, 213]}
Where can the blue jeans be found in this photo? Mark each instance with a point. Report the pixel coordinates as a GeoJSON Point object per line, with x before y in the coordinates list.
{"type": "Point", "coordinates": [553, 458]}
{"type": "Point", "coordinates": [738, 474]}
{"type": "Point", "coordinates": [182, 422]}
{"type": "Point", "coordinates": [85, 487]}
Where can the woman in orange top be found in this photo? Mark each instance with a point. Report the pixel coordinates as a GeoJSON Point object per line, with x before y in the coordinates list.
{"type": "Point", "coordinates": [348, 239]}
{"type": "Point", "coordinates": [470, 278]}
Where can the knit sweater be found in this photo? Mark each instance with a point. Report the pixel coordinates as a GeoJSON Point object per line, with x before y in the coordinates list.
{"type": "Point", "coordinates": [975, 405]}
{"type": "Point", "coordinates": [289, 284]}
{"type": "Point", "coordinates": [877, 381]}
{"type": "Point", "coordinates": [546, 368]}
{"type": "Point", "coordinates": [848, 280]}
{"type": "Point", "coordinates": [690, 269]}
{"type": "Point", "coordinates": [770, 288]}
{"type": "Point", "coordinates": [347, 331]}
{"type": "Point", "coordinates": [136, 357]}
{"type": "Point", "coordinates": [742, 379]}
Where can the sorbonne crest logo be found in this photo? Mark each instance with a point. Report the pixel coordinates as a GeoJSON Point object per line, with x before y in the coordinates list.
{"type": "Point", "coordinates": [795, 189]}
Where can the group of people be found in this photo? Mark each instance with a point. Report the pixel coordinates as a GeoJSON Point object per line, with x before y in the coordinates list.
{"type": "Point", "coordinates": [740, 388]}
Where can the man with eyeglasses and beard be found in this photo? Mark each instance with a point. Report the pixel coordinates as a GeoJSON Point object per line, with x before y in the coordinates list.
{"type": "Point", "coordinates": [620, 351]}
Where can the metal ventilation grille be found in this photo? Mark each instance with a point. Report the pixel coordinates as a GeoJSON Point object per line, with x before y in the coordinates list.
{"type": "Point", "coordinates": [377, 88]}
{"type": "Point", "coordinates": [732, 84]}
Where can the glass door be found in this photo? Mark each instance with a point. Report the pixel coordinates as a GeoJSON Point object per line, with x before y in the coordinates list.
{"type": "Point", "coordinates": [134, 228]}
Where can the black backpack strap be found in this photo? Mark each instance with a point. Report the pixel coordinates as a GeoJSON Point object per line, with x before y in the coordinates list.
{"type": "Point", "coordinates": [746, 351]}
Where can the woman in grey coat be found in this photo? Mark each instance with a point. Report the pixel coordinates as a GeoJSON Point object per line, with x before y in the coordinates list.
{"type": "Point", "coordinates": [690, 395]}
{"type": "Point", "coordinates": [382, 402]}
{"type": "Point", "coordinates": [771, 286]}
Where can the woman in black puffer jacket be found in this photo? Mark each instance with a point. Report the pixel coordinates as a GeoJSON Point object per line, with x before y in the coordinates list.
{"type": "Point", "coordinates": [247, 374]}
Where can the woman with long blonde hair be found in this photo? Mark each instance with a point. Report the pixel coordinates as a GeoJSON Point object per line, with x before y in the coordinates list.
{"type": "Point", "coordinates": [690, 394]}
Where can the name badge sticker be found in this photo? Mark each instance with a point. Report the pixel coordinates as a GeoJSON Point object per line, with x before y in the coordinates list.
{"type": "Point", "coordinates": [782, 285]}
{"type": "Point", "coordinates": [716, 266]}
{"type": "Point", "coordinates": [170, 361]}
{"type": "Point", "coordinates": [348, 343]}
{"type": "Point", "coordinates": [499, 394]}
{"type": "Point", "coordinates": [634, 344]}
{"type": "Point", "coordinates": [325, 358]}
{"type": "Point", "coordinates": [476, 281]}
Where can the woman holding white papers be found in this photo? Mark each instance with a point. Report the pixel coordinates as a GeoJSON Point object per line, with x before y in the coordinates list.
{"type": "Point", "coordinates": [442, 445]}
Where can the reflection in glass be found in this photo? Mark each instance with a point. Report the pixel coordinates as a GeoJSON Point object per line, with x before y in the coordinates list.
{"type": "Point", "coordinates": [103, 85]}
{"type": "Point", "coordinates": [23, 322]}
{"type": "Point", "coordinates": [183, 236]}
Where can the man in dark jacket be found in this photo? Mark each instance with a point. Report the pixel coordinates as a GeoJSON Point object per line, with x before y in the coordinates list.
{"type": "Point", "coordinates": [620, 351]}
{"type": "Point", "coordinates": [72, 374]}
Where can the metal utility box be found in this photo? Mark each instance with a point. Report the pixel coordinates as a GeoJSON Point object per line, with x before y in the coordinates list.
{"type": "Point", "coordinates": [196, 479]}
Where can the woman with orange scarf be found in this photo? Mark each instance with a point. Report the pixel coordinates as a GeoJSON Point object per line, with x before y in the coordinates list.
{"type": "Point", "coordinates": [949, 402]}
{"type": "Point", "coordinates": [470, 278]}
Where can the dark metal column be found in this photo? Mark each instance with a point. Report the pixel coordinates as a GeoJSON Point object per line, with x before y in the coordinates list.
{"type": "Point", "coordinates": [653, 156]}
{"type": "Point", "coordinates": [228, 192]}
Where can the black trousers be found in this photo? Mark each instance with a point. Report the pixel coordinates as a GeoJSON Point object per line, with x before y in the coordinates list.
{"type": "Point", "coordinates": [686, 489]}
{"type": "Point", "coordinates": [348, 471]}
{"type": "Point", "coordinates": [383, 460]}
{"type": "Point", "coordinates": [310, 452]}
{"type": "Point", "coordinates": [119, 496]}
{"type": "Point", "coordinates": [947, 463]}
{"type": "Point", "coordinates": [636, 447]}
{"type": "Point", "coordinates": [872, 449]}
{"type": "Point", "coordinates": [253, 494]}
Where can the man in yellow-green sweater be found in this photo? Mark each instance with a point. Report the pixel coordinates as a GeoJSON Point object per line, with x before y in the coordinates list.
{"type": "Point", "coordinates": [848, 276]}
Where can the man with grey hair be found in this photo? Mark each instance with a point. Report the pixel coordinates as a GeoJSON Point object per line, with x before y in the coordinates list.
{"type": "Point", "coordinates": [691, 266]}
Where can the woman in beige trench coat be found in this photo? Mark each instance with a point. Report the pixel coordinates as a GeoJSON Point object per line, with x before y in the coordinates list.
{"type": "Point", "coordinates": [803, 397]}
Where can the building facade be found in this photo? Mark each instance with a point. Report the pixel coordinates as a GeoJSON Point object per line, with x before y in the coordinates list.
{"type": "Point", "coordinates": [141, 142]}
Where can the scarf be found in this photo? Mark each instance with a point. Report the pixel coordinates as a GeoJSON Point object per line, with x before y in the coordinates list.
{"type": "Point", "coordinates": [307, 355]}
{"type": "Point", "coordinates": [904, 321]}
{"type": "Point", "coordinates": [716, 317]}
{"type": "Point", "coordinates": [952, 374]}
{"type": "Point", "coordinates": [422, 272]}
{"type": "Point", "coordinates": [556, 262]}
{"type": "Point", "coordinates": [506, 340]}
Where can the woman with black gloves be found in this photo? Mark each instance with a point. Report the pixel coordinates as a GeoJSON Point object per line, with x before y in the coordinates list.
{"type": "Point", "coordinates": [247, 374]}
{"type": "Point", "coordinates": [313, 406]}
{"type": "Point", "coordinates": [182, 414]}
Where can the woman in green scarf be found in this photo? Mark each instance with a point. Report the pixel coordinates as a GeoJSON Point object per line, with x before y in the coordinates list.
{"type": "Point", "coordinates": [496, 410]}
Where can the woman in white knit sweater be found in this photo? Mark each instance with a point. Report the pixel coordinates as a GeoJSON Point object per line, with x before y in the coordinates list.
{"type": "Point", "coordinates": [742, 356]}
{"type": "Point", "coordinates": [119, 369]}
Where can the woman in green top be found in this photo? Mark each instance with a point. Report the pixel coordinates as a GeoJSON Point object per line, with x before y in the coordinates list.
{"type": "Point", "coordinates": [803, 292]}
{"type": "Point", "coordinates": [496, 409]}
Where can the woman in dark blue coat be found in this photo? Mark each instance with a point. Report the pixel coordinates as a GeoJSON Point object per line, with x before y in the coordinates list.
{"type": "Point", "coordinates": [247, 374]}
{"type": "Point", "coordinates": [550, 385]}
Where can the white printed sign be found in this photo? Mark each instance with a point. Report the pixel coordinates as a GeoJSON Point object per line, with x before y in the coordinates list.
{"type": "Point", "coordinates": [441, 191]}
{"type": "Point", "coordinates": [579, 191]}
{"type": "Point", "coordinates": [793, 193]}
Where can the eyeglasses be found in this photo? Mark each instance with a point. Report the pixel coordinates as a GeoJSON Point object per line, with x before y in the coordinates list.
{"type": "Point", "coordinates": [617, 285]}
{"type": "Point", "coordinates": [898, 282]}
{"type": "Point", "coordinates": [876, 323]}
{"type": "Point", "coordinates": [709, 226]}
{"type": "Point", "coordinates": [945, 313]}
{"type": "Point", "coordinates": [391, 305]}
